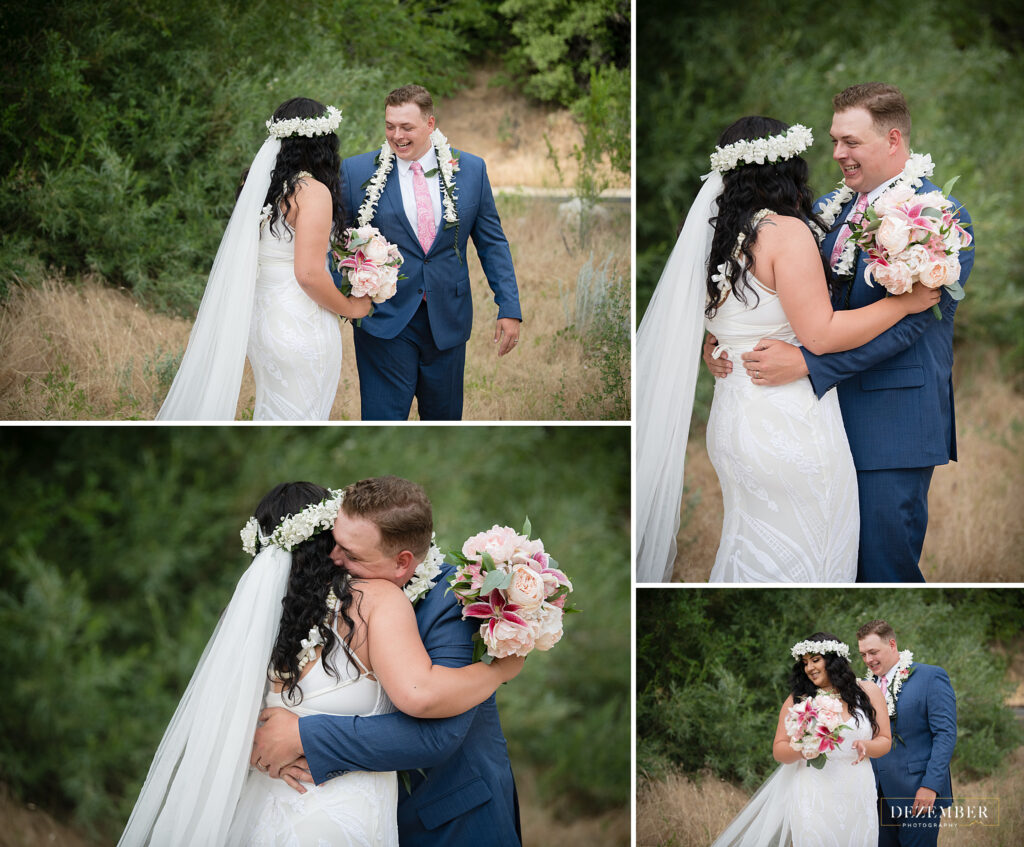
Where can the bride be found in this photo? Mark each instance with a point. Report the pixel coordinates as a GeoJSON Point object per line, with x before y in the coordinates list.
{"type": "Point", "coordinates": [747, 266]}
{"type": "Point", "coordinates": [836, 804]}
{"type": "Point", "coordinates": [270, 296]}
{"type": "Point", "coordinates": [299, 633]}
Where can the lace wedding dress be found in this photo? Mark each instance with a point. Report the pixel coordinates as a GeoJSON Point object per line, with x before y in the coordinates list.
{"type": "Point", "coordinates": [788, 481]}
{"type": "Point", "coordinates": [294, 343]}
{"type": "Point", "coordinates": [805, 807]}
{"type": "Point", "coordinates": [356, 809]}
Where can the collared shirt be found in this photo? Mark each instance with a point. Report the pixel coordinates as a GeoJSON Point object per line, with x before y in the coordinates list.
{"type": "Point", "coordinates": [875, 193]}
{"type": "Point", "coordinates": [428, 161]}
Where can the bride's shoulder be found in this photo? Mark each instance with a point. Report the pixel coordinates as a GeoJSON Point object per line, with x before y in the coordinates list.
{"type": "Point", "coordinates": [785, 231]}
{"type": "Point", "coordinates": [377, 591]}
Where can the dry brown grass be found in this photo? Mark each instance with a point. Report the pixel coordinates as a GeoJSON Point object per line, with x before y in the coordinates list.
{"type": "Point", "coordinates": [975, 524]}
{"type": "Point", "coordinates": [84, 351]}
{"type": "Point", "coordinates": [678, 812]}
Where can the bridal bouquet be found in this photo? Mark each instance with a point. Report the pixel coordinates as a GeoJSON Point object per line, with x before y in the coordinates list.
{"type": "Point", "coordinates": [813, 727]}
{"type": "Point", "coordinates": [369, 263]}
{"type": "Point", "coordinates": [912, 238]}
{"type": "Point", "coordinates": [507, 580]}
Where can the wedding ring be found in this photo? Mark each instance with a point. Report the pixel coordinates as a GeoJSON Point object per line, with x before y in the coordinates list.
{"type": "Point", "coordinates": [757, 374]}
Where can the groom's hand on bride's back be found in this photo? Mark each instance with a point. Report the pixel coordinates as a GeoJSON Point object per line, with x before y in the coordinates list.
{"type": "Point", "coordinates": [774, 362]}
{"type": "Point", "coordinates": [277, 743]}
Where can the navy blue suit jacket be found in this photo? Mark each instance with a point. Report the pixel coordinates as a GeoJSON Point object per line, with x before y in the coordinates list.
{"type": "Point", "coordinates": [925, 722]}
{"type": "Point", "coordinates": [896, 391]}
{"type": "Point", "coordinates": [439, 274]}
{"type": "Point", "coordinates": [468, 795]}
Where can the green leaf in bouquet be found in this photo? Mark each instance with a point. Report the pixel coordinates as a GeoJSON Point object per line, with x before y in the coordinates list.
{"type": "Point", "coordinates": [817, 762]}
{"type": "Point", "coordinates": [552, 563]}
{"type": "Point", "coordinates": [480, 653]}
{"type": "Point", "coordinates": [949, 185]}
{"type": "Point", "coordinates": [956, 290]}
{"type": "Point", "coordinates": [526, 527]}
{"type": "Point", "coordinates": [931, 212]}
{"type": "Point", "coordinates": [487, 562]}
{"type": "Point", "coordinates": [495, 579]}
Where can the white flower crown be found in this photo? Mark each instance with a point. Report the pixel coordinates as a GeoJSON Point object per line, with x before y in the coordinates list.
{"type": "Point", "coordinates": [775, 148]}
{"type": "Point", "coordinates": [305, 126]}
{"type": "Point", "coordinates": [820, 648]}
{"type": "Point", "coordinates": [294, 529]}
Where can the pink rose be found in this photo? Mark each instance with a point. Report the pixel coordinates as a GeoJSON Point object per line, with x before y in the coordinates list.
{"type": "Point", "coordinates": [504, 638]}
{"type": "Point", "coordinates": [893, 234]}
{"type": "Point", "coordinates": [500, 542]}
{"type": "Point", "coordinates": [547, 628]}
{"type": "Point", "coordinates": [376, 250]}
{"type": "Point", "coordinates": [387, 284]}
{"type": "Point", "coordinates": [943, 272]}
{"type": "Point", "coordinates": [364, 279]}
{"type": "Point", "coordinates": [527, 588]}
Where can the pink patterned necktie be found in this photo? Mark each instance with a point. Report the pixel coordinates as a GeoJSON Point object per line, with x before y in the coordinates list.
{"type": "Point", "coordinates": [882, 683]}
{"type": "Point", "coordinates": [425, 229]}
{"type": "Point", "coordinates": [845, 233]}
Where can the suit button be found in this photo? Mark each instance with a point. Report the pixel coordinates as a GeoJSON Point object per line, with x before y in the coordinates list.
{"type": "Point", "coordinates": [419, 290]}
{"type": "Point", "coordinates": [426, 261]}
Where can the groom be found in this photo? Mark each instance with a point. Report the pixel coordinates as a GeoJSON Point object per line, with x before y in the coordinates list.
{"type": "Point", "coordinates": [467, 796]}
{"type": "Point", "coordinates": [415, 343]}
{"type": "Point", "coordinates": [913, 777]}
{"type": "Point", "coordinates": [895, 392]}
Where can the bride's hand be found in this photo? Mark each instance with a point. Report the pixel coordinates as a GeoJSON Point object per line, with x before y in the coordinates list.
{"type": "Point", "coordinates": [919, 298]}
{"type": "Point", "coordinates": [359, 307]}
{"type": "Point", "coordinates": [862, 750]}
{"type": "Point", "coordinates": [509, 666]}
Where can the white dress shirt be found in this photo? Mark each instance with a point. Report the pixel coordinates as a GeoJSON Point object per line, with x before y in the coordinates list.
{"type": "Point", "coordinates": [428, 161]}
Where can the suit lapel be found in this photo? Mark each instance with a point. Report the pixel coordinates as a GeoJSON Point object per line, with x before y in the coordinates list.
{"type": "Point", "coordinates": [391, 199]}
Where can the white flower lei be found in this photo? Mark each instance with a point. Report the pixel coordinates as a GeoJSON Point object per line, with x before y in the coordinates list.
{"type": "Point", "coordinates": [307, 127]}
{"type": "Point", "coordinates": [426, 572]}
{"type": "Point", "coordinates": [791, 143]}
{"type": "Point", "coordinates": [819, 648]}
{"type": "Point", "coordinates": [919, 166]}
{"type": "Point", "coordinates": [897, 675]}
{"type": "Point", "coordinates": [385, 162]}
{"type": "Point", "coordinates": [294, 529]}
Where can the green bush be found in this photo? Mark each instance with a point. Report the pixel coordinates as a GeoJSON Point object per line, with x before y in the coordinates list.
{"type": "Point", "coordinates": [712, 667]}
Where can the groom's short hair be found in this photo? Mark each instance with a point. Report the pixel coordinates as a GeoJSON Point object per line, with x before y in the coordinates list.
{"type": "Point", "coordinates": [879, 628]}
{"type": "Point", "coordinates": [399, 508]}
{"type": "Point", "coordinates": [411, 94]}
{"type": "Point", "coordinates": [885, 103]}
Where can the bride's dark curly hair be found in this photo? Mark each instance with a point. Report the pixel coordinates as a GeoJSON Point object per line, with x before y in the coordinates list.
{"type": "Point", "coordinates": [840, 675]}
{"type": "Point", "coordinates": [317, 154]}
{"type": "Point", "coordinates": [779, 186]}
{"type": "Point", "coordinates": [312, 574]}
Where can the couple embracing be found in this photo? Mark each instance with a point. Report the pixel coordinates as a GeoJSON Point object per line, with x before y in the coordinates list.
{"type": "Point", "coordinates": [343, 642]}
{"type": "Point", "coordinates": [901, 717]}
{"type": "Point", "coordinates": [402, 216]}
{"type": "Point", "coordinates": [826, 438]}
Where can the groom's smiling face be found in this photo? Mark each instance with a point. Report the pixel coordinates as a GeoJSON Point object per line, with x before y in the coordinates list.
{"type": "Point", "coordinates": [408, 130]}
{"type": "Point", "coordinates": [867, 157]}
{"type": "Point", "coordinates": [878, 654]}
{"type": "Point", "coordinates": [357, 548]}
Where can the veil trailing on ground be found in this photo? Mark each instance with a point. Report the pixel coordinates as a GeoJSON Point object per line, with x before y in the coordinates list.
{"type": "Point", "coordinates": [210, 376]}
{"type": "Point", "coordinates": [764, 821]}
{"type": "Point", "coordinates": [197, 774]}
{"type": "Point", "coordinates": [667, 356]}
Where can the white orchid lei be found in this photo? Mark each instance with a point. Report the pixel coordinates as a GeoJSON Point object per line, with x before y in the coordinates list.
{"type": "Point", "coordinates": [774, 148]}
{"type": "Point", "coordinates": [819, 648]}
{"type": "Point", "coordinates": [897, 675]}
{"type": "Point", "coordinates": [447, 164]}
{"type": "Point", "coordinates": [307, 127]}
{"type": "Point", "coordinates": [919, 166]}
{"type": "Point", "coordinates": [425, 575]}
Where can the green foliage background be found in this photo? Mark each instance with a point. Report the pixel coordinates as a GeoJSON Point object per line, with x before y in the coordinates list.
{"type": "Point", "coordinates": [121, 549]}
{"type": "Point", "coordinates": [703, 64]}
{"type": "Point", "coordinates": [126, 124]}
{"type": "Point", "coordinates": [712, 665]}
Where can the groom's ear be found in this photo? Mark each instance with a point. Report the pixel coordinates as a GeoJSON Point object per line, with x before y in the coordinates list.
{"type": "Point", "coordinates": [405, 565]}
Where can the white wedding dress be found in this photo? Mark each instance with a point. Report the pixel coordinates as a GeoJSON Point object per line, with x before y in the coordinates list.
{"type": "Point", "coordinates": [294, 343]}
{"type": "Point", "coordinates": [356, 809]}
{"type": "Point", "coordinates": [789, 485]}
{"type": "Point", "coordinates": [802, 806]}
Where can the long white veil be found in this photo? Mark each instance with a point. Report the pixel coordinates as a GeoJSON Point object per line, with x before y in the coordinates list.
{"type": "Point", "coordinates": [765, 820]}
{"type": "Point", "coordinates": [667, 357]}
{"type": "Point", "coordinates": [210, 376]}
{"type": "Point", "coordinates": [197, 774]}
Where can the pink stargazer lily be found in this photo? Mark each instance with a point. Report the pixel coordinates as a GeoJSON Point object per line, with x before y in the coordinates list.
{"type": "Point", "coordinates": [495, 608]}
